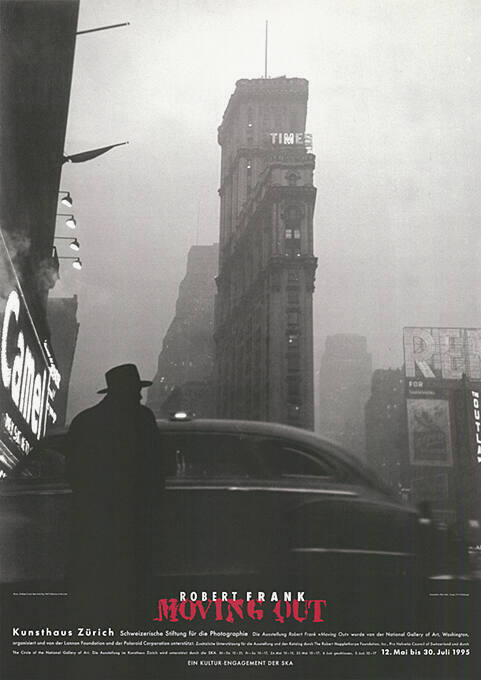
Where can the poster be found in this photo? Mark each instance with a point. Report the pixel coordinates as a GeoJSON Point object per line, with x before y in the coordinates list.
{"type": "Point", "coordinates": [275, 555]}
{"type": "Point", "coordinates": [429, 431]}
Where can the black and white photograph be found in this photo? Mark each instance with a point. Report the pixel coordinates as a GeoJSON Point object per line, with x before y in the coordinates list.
{"type": "Point", "coordinates": [240, 339]}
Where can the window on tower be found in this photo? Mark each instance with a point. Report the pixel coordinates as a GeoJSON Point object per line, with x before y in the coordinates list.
{"type": "Point", "coordinates": [293, 387]}
{"type": "Point", "coordinates": [292, 275]}
{"type": "Point", "coordinates": [292, 215]}
{"type": "Point", "coordinates": [293, 361]}
{"type": "Point", "coordinates": [293, 296]}
{"type": "Point", "coordinates": [292, 241]}
{"type": "Point", "coordinates": [292, 318]}
{"type": "Point", "coordinates": [292, 340]}
{"type": "Point", "coordinates": [293, 411]}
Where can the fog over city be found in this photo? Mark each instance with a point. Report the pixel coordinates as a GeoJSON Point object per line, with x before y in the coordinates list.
{"type": "Point", "coordinates": [394, 113]}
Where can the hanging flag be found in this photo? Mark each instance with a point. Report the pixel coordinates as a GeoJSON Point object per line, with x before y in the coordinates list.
{"type": "Point", "coordinates": [88, 155]}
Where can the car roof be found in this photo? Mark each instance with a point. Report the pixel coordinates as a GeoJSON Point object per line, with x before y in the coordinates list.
{"type": "Point", "coordinates": [252, 427]}
{"type": "Point", "coordinates": [296, 435]}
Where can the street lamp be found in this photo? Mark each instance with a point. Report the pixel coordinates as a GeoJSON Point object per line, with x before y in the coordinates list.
{"type": "Point", "coordinates": [67, 199]}
{"type": "Point", "coordinates": [74, 244]}
{"type": "Point", "coordinates": [76, 264]}
{"type": "Point", "coordinates": [70, 222]}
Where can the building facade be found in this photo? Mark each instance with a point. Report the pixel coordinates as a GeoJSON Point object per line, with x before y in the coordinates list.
{"type": "Point", "coordinates": [386, 428]}
{"type": "Point", "coordinates": [36, 59]}
{"type": "Point", "coordinates": [184, 373]}
{"type": "Point", "coordinates": [263, 316]}
{"type": "Point", "coordinates": [344, 387]}
{"type": "Point", "coordinates": [36, 56]}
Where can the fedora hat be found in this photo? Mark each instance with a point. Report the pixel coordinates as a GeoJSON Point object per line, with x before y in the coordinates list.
{"type": "Point", "coordinates": [123, 377]}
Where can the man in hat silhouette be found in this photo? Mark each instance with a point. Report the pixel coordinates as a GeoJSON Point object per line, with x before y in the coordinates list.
{"type": "Point", "coordinates": [115, 471]}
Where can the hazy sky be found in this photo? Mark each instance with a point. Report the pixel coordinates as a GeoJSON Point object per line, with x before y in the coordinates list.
{"type": "Point", "coordinates": [395, 116]}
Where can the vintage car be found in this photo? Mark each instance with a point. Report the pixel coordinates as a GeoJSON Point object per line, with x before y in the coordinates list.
{"type": "Point", "coordinates": [243, 500]}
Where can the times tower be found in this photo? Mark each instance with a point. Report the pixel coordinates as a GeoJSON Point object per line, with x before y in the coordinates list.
{"type": "Point", "coordinates": [263, 312]}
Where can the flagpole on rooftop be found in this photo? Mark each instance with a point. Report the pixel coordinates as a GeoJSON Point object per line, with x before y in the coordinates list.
{"type": "Point", "coordinates": [103, 28]}
{"type": "Point", "coordinates": [265, 51]}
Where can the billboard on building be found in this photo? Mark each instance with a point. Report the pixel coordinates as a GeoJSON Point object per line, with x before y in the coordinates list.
{"type": "Point", "coordinates": [437, 362]}
{"type": "Point", "coordinates": [442, 373]}
{"type": "Point", "coordinates": [442, 354]}
{"type": "Point", "coordinates": [29, 378]}
{"type": "Point", "coordinates": [429, 430]}
{"type": "Point", "coordinates": [473, 396]}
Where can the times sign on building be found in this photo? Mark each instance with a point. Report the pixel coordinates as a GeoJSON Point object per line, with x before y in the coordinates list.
{"type": "Point", "coordinates": [291, 139]}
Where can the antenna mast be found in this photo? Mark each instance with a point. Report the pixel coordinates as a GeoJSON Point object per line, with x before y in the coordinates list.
{"type": "Point", "coordinates": [265, 55]}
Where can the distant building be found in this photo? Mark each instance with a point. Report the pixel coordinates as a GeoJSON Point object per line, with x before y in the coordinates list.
{"type": "Point", "coordinates": [62, 319]}
{"type": "Point", "coordinates": [196, 397]}
{"type": "Point", "coordinates": [184, 372]}
{"type": "Point", "coordinates": [263, 320]}
{"type": "Point", "coordinates": [344, 387]}
{"type": "Point", "coordinates": [386, 427]}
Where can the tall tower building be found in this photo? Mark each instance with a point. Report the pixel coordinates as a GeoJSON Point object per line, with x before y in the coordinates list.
{"type": "Point", "coordinates": [263, 316]}
{"type": "Point", "coordinates": [184, 373]}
